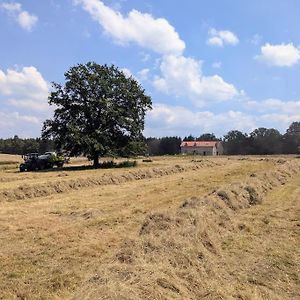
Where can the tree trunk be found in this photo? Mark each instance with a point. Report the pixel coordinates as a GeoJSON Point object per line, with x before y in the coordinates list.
{"type": "Point", "coordinates": [96, 160]}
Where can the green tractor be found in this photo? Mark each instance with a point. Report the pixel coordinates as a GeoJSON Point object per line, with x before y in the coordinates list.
{"type": "Point", "coordinates": [33, 161]}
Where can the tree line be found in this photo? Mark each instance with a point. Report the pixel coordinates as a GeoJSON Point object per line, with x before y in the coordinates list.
{"type": "Point", "coordinates": [259, 141]}
{"type": "Point", "coordinates": [264, 141]}
{"type": "Point", "coordinates": [21, 146]}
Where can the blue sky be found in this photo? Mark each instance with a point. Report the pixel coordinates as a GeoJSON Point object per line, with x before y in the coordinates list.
{"type": "Point", "coordinates": [210, 66]}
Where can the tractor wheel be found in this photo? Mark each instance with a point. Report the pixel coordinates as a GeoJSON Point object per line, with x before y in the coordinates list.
{"type": "Point", "coordinates": [34, 167]}
{"type": "Point", "coordinates": [41, 166]}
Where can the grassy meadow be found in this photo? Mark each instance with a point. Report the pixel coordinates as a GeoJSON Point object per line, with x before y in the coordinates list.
{"type": "Point", "coordinates": [182, 227]}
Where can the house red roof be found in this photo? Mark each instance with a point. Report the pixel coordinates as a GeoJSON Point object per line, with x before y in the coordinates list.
{"type": "Point", "coordinates": [199, 144]}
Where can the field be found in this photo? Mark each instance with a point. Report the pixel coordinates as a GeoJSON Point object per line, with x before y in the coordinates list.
{"type": "Point", "coordinates": [174, 228]}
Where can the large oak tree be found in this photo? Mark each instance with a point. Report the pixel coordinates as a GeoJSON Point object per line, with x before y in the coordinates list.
{"type": "Point", "coordinates": [98, 112]}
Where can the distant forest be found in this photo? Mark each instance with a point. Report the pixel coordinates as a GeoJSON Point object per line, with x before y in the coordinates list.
{"type": "Point", "coordinates": [20, 146]}
{"type": "Point", "coordinates": [259, 141]}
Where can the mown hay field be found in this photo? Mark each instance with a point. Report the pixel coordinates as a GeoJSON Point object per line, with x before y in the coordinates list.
{"type": "Point", "coordinates": [174, 228]}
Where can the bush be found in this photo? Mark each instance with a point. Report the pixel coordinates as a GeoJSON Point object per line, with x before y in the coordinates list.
{"type": "Point", "coordinates": [111, 164]}
{"type": "Point", "coordinates": [127, 164]}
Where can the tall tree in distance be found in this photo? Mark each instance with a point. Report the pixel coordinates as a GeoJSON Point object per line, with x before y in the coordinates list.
{"type": "Point", "coordinates": [266, 141]}
{"type": "Point", "coordinates": [98, 112]}
{"type": "Point", "coordinates": [207, 137]}
{"type": "Point", "coordinates": [294, 129]}
{"type": "Point", "coordinates": [170, 145]}
{"type": "Point", "coordinates": [165, 145]}
{"type": "Point", "coordinates": [189, 138]}
{"type": "Point", "coordinates": [236, 142]}
{"type": "Point", "coordinates": [291, 139]}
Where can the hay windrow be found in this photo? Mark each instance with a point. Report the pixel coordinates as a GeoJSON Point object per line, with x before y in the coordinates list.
{"type": "Point", "coordinates": [24, 192]}
{"type": "Point", "coordinates": [178, 254]}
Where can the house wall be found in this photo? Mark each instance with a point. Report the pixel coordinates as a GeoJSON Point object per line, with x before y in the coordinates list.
{"type": "Point", "coordinates": [199, 150]}
{"type": "Point", "coordinates": [220, 149]}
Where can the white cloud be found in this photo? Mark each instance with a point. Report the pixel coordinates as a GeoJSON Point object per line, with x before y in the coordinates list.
{"type": "Point", "coordinates": [177, 120]}
{"type": "Point", "coordinates": [143, 74]}
{"type": "Point", "coordinates": [24, 89]}
{"type": "Point", "coordinates": [215, 41]}
{"type": "Point", "coordinates": [8, 119]}
{"type": "Point", "coordinates": [219, 38]}
{"type": "Point", "coordinates": [137, 27]}
{"type": "Point", "coordinates": [26, 20]}
{"type": "Point", "coordinates": [127, 72]}
{"type": "Point", "coordinates": [23, 102]}
{"type": "Point", "coordinates": [11, 7]}
{"type": "Point", "coordinates": [182, 77]}
{"type": "Point", "coordinates": [283, 55]}
{"type": "Point", "coordinates": [280, 121]}
{"type": "Point", "coordinates": [270, 105]}
{"type": "Point", "coordinates": [12, 123]}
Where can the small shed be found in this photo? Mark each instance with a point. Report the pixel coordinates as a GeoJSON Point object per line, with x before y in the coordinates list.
{"type": "Point", "coordinates": [202, 147]}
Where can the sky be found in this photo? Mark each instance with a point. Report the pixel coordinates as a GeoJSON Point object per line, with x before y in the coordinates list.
{"type": "Point", "coordinates": [209, 66]}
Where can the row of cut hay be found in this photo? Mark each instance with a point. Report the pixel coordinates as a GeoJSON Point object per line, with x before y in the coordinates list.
{"type": "Point", "coordinates": [7, 168]}
{"type": "Point", "coordinates": [8, 162]}
{"type": "Point", "coordinates": [178, 255]}
{"type": "Point", "coordinates": [40, 190]}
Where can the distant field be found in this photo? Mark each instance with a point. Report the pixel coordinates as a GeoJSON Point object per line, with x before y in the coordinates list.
{"type": "Point", "coordinates": [10, 157]}
{"type": "Point", "coordinates": [175, 228]}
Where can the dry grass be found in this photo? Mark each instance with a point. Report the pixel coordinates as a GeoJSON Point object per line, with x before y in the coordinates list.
{"type": "Point", "coordinates": [10, 157]}
{"type": "Point", "coordinates": [196, 232]}
{"type": "Point", "coordinates": [9, 162]}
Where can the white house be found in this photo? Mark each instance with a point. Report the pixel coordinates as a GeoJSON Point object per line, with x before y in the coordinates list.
{"type": "Point", "coordinates": [202, 147]}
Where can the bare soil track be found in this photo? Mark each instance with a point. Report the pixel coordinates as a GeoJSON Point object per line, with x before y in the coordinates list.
{"type": "Point", "coordinates": [178, 228]}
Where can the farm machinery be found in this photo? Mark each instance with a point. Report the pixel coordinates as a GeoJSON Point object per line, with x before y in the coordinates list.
{"type": "Point", "coordinates": [34, 161]}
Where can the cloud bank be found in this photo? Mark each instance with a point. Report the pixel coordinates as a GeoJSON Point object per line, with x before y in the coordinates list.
{"type": "Point", "coordinates": [23, 101]}
{"type": "Point", "coordinates": [182, 76]}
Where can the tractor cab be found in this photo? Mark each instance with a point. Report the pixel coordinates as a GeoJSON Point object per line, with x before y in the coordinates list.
{"type": "Point", "coordinates": [30, 162]}
{"type": "Point", "coordinates": [29, 156]}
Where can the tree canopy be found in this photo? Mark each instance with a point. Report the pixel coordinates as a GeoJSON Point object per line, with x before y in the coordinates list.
{"type": "Point", "coordinates": [259, 141]}
{"type": "Point", "coordinates": [189, 138]}
{"type": "Point", "coordinates": [263, 141]}
{"type": "Point", "coordinates": [98, 112]}
{"type": "Point", "coordinates": [207, 137]}
{"type": "Point", "coordinates": [162, 146]}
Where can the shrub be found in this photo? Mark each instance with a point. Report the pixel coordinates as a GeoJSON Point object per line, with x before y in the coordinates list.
{"type": "Point", "coordinates": [127, 164]}
{"type": "Point", "coordinates": [111, 164]}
